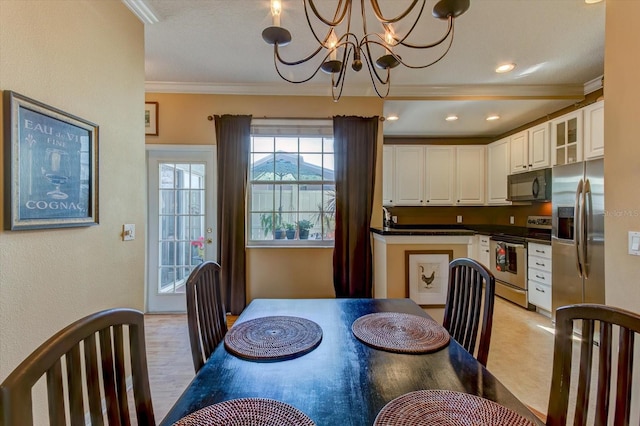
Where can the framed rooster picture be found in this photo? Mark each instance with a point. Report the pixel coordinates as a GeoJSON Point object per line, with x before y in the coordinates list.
{"type": "Point", "coordinates": [427, 276]}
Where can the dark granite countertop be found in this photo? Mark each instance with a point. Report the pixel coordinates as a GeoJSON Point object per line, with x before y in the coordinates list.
{"type": "Point", "coordinates": [457, 230]}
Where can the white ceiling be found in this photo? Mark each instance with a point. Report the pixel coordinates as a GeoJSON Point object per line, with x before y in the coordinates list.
{"type": "Point", "coordinates": [215, 46]}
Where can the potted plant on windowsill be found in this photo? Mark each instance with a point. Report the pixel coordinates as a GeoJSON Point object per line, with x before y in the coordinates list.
{"type": "Point", "coordinates": [290, 230]}
{"type": "Point", "coordinates": [267, 221]}
{"type": "Point", "coordinates": [304, 226]}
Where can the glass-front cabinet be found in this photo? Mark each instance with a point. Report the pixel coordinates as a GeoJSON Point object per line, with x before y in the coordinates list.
{"type": "Point", "coordinates": [566, 138]}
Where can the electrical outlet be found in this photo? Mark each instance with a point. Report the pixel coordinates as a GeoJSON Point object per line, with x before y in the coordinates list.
{"type": "Point", "coordinates": [394, 219]}
{"type": "Point", "coordinates": [512, 219]}
{"type": "Point", "coordinates": [459, 219]}
{"type": "Point", "coordinates": [128, 232]}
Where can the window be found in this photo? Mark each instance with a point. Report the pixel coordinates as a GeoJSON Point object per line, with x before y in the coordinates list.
{"type": "Point", "coordinates": [291, 188]}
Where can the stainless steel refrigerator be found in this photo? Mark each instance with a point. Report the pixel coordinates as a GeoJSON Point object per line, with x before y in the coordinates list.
{"type": "Point", "coordinates": [577, 237]}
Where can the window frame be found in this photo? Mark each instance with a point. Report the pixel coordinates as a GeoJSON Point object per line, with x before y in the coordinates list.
{"type": "Point", "coordinates": [276, 129]}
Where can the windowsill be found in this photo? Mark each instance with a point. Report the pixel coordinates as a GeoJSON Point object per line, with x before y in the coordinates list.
{"type": "Point", "coordinates": [288, 244]}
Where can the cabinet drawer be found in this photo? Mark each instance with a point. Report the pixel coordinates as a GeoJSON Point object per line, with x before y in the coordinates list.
{"type": "Point", "coordinates": [541, 250]}
{"type": "Point", "coordinates": [540, 276]}
{"type": "Point", "coordinates": [541, 263]}
{"type": "Point", "coordinates": [540, 295]}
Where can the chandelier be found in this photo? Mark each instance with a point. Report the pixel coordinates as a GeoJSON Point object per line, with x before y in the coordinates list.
{"type": "Point", "coordinates": [337, 45]}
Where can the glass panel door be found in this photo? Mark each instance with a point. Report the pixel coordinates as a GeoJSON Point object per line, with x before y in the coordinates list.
{"type": "Point", "coordinates": [181, 231]}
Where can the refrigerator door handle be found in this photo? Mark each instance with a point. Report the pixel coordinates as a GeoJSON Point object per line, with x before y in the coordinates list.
{"type": "Point", "coordinates": [577, 234]}
{"type": "Point", "coordinates": [586, 215]}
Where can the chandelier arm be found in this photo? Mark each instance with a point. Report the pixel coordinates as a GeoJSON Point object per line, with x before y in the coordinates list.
{"type": "Point", "coordinates": [341, 79]}
{"type": "Point", "coordinates": [387, 27]}
{"type": "Point", "coordinates": [276, 59]}
{"type": "Point", "coordinates": [430, 63]}
{"type": "Point", "coordinates": [436, 43]}
{"type": "Point", "coordinates": [373, 72]}
{"type": "Point", "coordinates": [298, 62]}
{"type": "Point", "coordinates": [336, 21]}
{"type": "Point", "coordinates": [380, 16]}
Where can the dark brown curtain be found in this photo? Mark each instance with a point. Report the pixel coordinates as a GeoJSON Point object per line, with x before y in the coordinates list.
{"type": "Point", "coordinates": [233, 135]}
{"type": "Point", "coordinates": [355, 145]}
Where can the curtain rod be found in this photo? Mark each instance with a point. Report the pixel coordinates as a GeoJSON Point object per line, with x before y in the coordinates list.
{"type": "Point", "coordinates": [210, 118]}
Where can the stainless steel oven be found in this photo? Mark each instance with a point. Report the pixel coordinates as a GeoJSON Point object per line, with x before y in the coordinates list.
{"type": "Point", "coordinates": [509, 266]}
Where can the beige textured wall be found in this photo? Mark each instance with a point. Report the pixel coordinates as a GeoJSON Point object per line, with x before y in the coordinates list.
{"type": "Point", "coordinates": [271, 272]}
{"type": "Point", "coordinates": [622, 158]}
{"type": "Point", "coordinates": [84, 57]}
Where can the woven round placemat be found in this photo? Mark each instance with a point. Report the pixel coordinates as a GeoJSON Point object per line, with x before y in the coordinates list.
{"type": "Point", "coordinates": [273, 338]}
{"type": "Point", "coordinates": [247, 412]}
{"type": "Point", "coordinates": [402, 333]}
{"type": "Point", "coordinates": [446, 408]}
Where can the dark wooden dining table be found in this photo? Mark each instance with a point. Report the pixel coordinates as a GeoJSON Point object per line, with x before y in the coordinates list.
{"type": "Point", "coordinates": [343, 381]}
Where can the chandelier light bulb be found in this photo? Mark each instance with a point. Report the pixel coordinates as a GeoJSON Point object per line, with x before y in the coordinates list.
{"type": "Point", "coordinates": [388, 38]}
{"type": "Point", "coordinates": [276, 9]}
{"type": "Point", "coordinates": [332, 41]}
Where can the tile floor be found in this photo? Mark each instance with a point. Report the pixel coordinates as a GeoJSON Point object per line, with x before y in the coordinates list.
{"type": "Point", "coordinates": [521, 355]}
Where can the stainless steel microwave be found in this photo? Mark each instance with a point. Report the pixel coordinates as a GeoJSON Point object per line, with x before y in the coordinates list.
{"type": "Point", "coordinates": [530, 186]}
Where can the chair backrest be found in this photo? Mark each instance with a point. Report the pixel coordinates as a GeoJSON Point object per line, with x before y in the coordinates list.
{"type": "Point", "coordinates": [85, 358]}
{"type": "Point", "coordinates": [596, 324]}
{"type": "Point", "coordinates": [205, 312]}
{"type": "Point", "coordinates": [465, 303]}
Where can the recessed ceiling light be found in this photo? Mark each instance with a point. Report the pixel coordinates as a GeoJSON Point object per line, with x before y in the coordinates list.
{"type": "Point", "coordinates": [505, 68]}
{"type": "Point", "coordinates": [493, 117]}
{"type": "Point", "coordinates": [392, 117]}
{"type": "Point", "coordinates": [451, 117]}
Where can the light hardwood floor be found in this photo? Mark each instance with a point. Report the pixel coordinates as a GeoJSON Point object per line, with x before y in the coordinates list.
{"type": "Point", "coordinates": [521, 355]}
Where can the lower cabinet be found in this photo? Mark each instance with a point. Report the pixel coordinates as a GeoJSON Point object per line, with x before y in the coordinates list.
{"type": "Point", "coordinates": [539, 275]}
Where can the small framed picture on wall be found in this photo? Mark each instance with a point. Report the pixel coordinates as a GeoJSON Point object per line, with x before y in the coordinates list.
{"type": "Point", "coordinates": [151, 118]}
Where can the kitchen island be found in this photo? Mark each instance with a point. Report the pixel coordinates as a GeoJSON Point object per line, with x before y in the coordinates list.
{"type": "Point", "coordinates": [390, 247]}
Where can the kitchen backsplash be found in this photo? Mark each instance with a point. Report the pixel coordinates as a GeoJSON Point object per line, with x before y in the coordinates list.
{"type": "Point", "coordinates": [481, 215]}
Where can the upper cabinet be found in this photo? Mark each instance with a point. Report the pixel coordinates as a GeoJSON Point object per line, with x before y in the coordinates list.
{"type": "Point", "coordinates": [498, 168]}
{"type": "Point", "coordinates": [566, 138]}
{"type": "Point", "coordinates": [530, 149]}
{"type": "Point", "coordinates": [388, 174]}
{"type": "Point", "coordinates": [433, 175]}
{"type": "Point", "coordinates": [440, 166]}
{"type": "Point", "coordinates": [408, 175]}
{"type": "Point", "coordinates": [470, 174]}
{"type": "Point", "coordinates": [593, 116]}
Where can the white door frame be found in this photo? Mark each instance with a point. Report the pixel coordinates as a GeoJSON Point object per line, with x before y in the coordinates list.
{"type": "Point", "coordinates": [186, 153]}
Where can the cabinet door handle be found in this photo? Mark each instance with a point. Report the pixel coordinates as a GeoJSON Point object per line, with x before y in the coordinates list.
{"type": "Point", "coordinates": [539, 277]}
{"type": "Point", "coordinates": [539, 289]}
{"type": "Point", "coordinates": [540, 264]}
{"type": "Point", "coordinates": [540, 251]}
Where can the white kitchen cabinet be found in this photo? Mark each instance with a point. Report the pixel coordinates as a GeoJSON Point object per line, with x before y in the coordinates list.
{"type": "Point", "coordinates": [519, 147]}
{"type": "Point", "coordinates": [484, 255]}
{"type": "Point", "coordinates": [567, 138]}
{"type": "Point", "coordinates": [498, 167]}
{"type": "Point", "coordinates": [470, 174]}
{"type": "Point", "coordinates": [539, 275]}
{"type": "Point", "coordinates": [530, 149]}
{"type": "Point", "coordinates": [593, 116]}
{"type": "Point", "coordinates": [539, 152]}
{"type": "Point", "coordinates": [440, 163]}
{"type": "Point", "coordinates": [409, 175]}
{"type": "Point", "coordinates": [388, 175]}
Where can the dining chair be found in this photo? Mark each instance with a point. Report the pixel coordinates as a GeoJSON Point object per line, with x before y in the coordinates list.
{"type": "Point", "coordinates": [467, 278]}
{"type": "Point", "coordinates": [595, 325]}
{"type": "Point", "coordinates": [86, 363]}
{"type": "Point", "coordinates": [206, 315]}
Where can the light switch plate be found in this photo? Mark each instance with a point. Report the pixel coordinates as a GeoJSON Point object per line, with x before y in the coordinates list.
{"type": "Point", "coordinates": [128, 232]}
{"type": "Point", "coordinates": [634, 243]}
{"type": "Point", "coordinates": [459, 219]}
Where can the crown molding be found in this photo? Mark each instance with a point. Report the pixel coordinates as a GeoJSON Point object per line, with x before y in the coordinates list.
{"type": "Point", "coordinates": [143, 11]}
{"type": "Point", "coordinates": [593, 85]}
{"type": "Point", "coordinates": [398, 92]}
